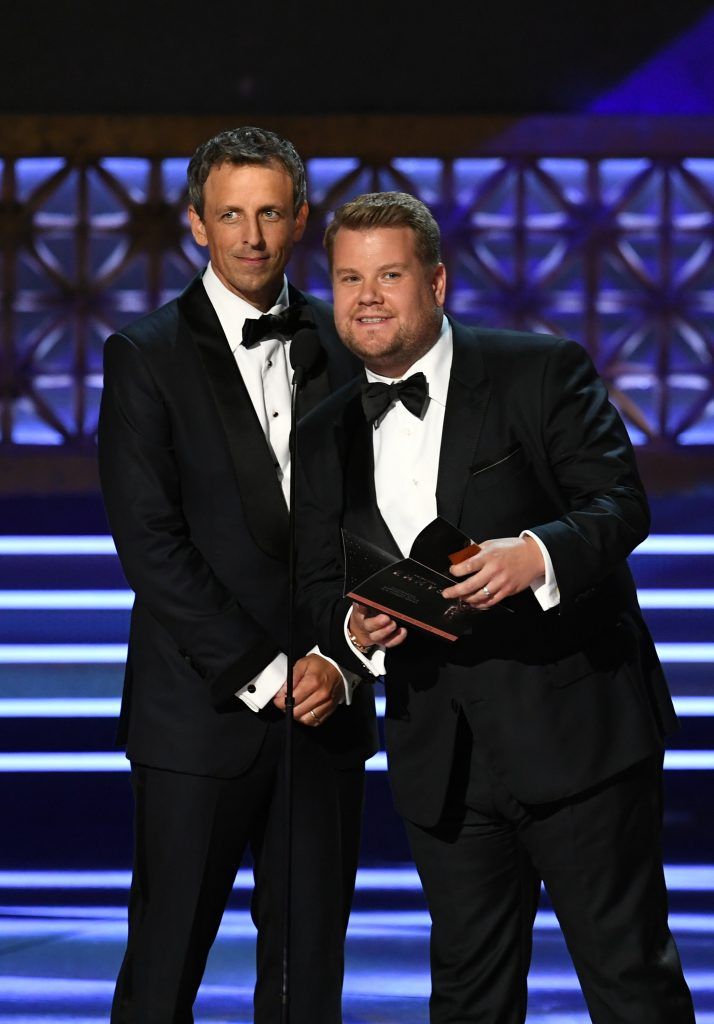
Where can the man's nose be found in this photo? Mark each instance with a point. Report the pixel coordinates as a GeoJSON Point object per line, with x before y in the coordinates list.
{"type": "Point", "coordinates": [253, 235]}
{"type": "Point", "coordinates": [370, 293]}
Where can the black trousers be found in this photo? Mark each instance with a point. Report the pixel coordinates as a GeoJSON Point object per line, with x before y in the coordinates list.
{"type": "Point", "coordinates": [599, 856]}
{"type": "Point", "coordinates": [191, 833]}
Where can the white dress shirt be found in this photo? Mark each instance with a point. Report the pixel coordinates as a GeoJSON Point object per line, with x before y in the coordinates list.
{"type": "Point", "coordinates": [406, 464]}
{"type": "Point", "coordinates": [267, 374]}
{"type": "Point", "coordinates": [265, 368]}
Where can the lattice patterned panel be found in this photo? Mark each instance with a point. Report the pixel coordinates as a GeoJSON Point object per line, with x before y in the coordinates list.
{"type": "Point", "coordinates": [88, 248]}
{"type": "Point", "coordinates": [614, 252]}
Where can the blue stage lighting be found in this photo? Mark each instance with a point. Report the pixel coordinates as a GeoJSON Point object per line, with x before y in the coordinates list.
{"type": "Point", "coordinates": [677, 544]}
{"type": "Point", "coordinates": [115, 761]}
{"type": "Point", "coordinates": [676, 599]}
{"type": "Point", "coordinates": [59, 707]}
{"type": "Point", "coordinates": [657, 544]}
{"type": "Point", "coordinates": [62, 654]}
{"type": "Point", "coordinates": [66, 600]}
{"type": "Point", "coordinates": [91, 545]}
{"type": "Point", "coordinates": [108, 707]}
{"type": "Point", "coordinates": [108, 600]}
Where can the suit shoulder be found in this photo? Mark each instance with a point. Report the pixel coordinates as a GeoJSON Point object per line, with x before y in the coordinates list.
{"type": "Point", "coordinates": [495, 340]}
{"type": "Point", "coordinates": [155, 328]}
{"type": "Point", "coordinates": [530, 348]}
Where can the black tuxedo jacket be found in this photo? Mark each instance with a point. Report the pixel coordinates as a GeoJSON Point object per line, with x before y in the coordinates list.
{"type": "Point", "coordinates": [557, 700]}
{"type": "Point", "coordinates": [201, 527]}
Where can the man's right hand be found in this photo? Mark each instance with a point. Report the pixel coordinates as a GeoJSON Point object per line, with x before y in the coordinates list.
{"type": "Point", "coordinates": [370, 629]}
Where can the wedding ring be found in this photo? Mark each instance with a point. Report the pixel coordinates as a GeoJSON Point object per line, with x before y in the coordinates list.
{"type": "Point", "coordinates": [486, 591]}
{"type": "Point", "coordinates": [316, 717]}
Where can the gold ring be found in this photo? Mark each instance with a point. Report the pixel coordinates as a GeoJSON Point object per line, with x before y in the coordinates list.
{"type": "Point", "coordinates": [316, 717]}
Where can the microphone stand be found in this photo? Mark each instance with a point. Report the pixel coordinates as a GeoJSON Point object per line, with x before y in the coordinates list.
{"type": "Point", "coordinates": [298, 378]}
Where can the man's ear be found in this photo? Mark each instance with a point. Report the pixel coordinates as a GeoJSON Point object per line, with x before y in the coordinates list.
{"type": "Point", "coordinates": [198, 229]}
{"type": "Point", "coordinates": [300, 222]}
{"type": "Point", "coordinates": [438, 284]}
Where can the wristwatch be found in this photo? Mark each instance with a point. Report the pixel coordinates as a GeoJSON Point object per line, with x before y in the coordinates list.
{"type": "Point", "coordinates": [367, 651]}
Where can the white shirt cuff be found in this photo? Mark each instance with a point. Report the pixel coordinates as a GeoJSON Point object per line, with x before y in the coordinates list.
{"type": "Point", "coordinates": [545, 588]}
{"type": "Point", "coordinates": [263, 687]}
{"type": "Point", "coordinates": [375, 664]}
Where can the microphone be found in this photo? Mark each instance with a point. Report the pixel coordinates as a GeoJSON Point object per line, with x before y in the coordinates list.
{"type": "Point", "coordinates": [305, 350]}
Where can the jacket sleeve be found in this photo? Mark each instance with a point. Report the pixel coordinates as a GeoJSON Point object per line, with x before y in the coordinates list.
{"type": "Point", "coordinates": [590, 457]}
{"type": "Point", "coordinates": [141, 486]}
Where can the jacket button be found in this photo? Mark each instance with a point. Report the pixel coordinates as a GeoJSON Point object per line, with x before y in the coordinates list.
{"type": "Point", "coordinates": [454, 706]}
{"type": "Point", "coordinates": [251, 688]}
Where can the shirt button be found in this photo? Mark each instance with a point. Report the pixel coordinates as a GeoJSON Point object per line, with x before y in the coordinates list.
{"type": "Point", "coordinates": [275, 414]}
{"type": "Point", "coordinates": [269, 362]}
{"type": "Point", "coordinates": [251, 688]}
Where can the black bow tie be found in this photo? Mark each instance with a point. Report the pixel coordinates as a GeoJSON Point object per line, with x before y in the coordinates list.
{"type": "Point", "coordinates": [377, 397]}
{"type": "Point", "coordinates": [270, 324]}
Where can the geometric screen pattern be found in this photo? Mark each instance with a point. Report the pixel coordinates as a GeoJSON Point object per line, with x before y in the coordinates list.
{"type": "Point", "coordinates": [616, 253]}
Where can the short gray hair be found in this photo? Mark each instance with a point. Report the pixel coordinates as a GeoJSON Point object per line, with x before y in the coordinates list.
{"type": "Point", "coordinates": [245, 146]}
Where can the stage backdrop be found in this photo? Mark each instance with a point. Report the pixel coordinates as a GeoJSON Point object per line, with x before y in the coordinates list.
{"type": "Point", "coordinates": [597, 228]}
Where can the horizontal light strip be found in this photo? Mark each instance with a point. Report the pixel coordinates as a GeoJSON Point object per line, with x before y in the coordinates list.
{"type": "Point", "coordinates": [101, 600]}
{"type": "Point", "coordinates": [115, 654]}
{"type": "Point", "coordinates": [75, 761]}
{"type": "Point", "coordinates": [677, 544]}
{"type": "Point", "coordinates": [65, 879]}
{"type": "Point", "coordinates": [25, 1018]}
{"type": "Point", "coordinates": [59, 707]}
{"type": "Point", "coordinates": [675, 598]}
{"type": "Point", "coordinates": [685, 654]}
{"type": "Point", "coordinates": [689, 760]}
{"type": "Point", "coordinates": [694, 707]}
{"type": "Point", "coordinates": [108, 707]}
{"type": "Point", "coordinates": [62, 654]}
{"type": "Point", "coordinates": [60, 545]}
{"type": "Point", "coordinates": [363, 924]}
{"type": "Point", "coordinates": [680, 878]}
{"type": "Point", "coordinates": [688, 707]}
{"type": "Point", "coordinates": [237, 923]}
{"type": "Point", "coordinates": [397, 983]}
{"type": "Point", "coordinates": [115, 761]}
{"type": "Point", "coordinates": [65, 600]}
{"type": "Point", "coordinates": [657, 544]}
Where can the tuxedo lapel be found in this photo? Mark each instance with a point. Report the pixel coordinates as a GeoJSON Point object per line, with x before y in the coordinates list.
{"type": "Point", "coordinates": [260, 490]}
{"type": "Point", "coordinates": [362, 514]}
{"type": "Point", "coordinates": [466, 404]}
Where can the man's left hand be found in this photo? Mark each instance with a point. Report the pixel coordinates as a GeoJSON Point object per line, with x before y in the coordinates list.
{"type": "Point", "coordinates": [317, 689]}
{"type": "Point", "coordinates": [501, 568]}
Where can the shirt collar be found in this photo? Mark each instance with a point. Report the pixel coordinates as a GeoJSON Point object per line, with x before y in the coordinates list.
{"type": "Point", "coordinates": [232, 310]}
{"type": "Point", "coordinates": [434, 364]}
